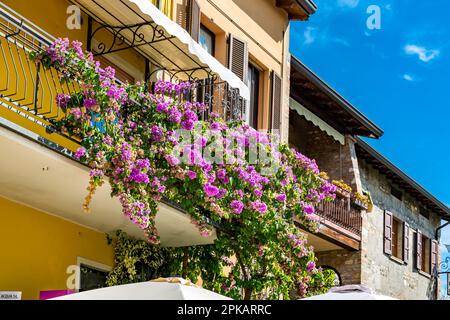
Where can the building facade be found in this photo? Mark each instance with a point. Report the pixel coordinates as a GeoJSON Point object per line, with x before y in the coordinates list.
{"type": "Point", "coordinates": [389, 244]}
{"type": "Point", "coordinates": [238, 54]}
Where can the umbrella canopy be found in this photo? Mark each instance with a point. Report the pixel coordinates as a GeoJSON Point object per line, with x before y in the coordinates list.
{"type": "Point", "coordinates": [350, 292]}
{"type": "Point", "coordinates": [159, 289]}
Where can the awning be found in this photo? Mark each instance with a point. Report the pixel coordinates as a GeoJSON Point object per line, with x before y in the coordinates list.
{"type": "Point", "coordinates": [141, 25]}
{"type": "Point", "coordinates": [311, 117]}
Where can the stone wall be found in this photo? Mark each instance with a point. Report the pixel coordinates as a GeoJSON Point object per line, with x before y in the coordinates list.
{"type": "Point", "coordinates": [346, 263]}
{"type": "Point", "coordinates": [339, 161]}
{"type": "Point", "coordinates": [379, 271]}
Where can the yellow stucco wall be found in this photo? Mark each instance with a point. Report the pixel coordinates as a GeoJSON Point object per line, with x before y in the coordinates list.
{"type": "Point", "coordinates": [36, 249]}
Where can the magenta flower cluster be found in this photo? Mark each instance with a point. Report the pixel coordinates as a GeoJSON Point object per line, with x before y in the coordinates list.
{"type": "Point", "coordinates": [137, 151]}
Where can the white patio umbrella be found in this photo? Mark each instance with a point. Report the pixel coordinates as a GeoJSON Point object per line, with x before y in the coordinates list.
{"type": "Point", "coordinates": [350, 292]}
{"type": "Point", "coordinates": [159, 289]}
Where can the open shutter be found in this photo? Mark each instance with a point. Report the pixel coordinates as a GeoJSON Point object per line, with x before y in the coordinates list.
{"type": "Point", "coordinates": [238, 57]}
{"type": "Point", "coordinates": [275, 101]}
{"type": "Point", "coordinates": [193, 21]}
{"type": "Point", "coordinates": [419, 250]}
{"type": "Point", "coordinates": [387, 232]}
{"type": "Point", "coordinates": [406, 231]}
{"type": "Point", "coordinates": [434, 256]}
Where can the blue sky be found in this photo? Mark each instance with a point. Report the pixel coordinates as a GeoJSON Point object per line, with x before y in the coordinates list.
{"type": "Point", "coordinates": [398, 76]}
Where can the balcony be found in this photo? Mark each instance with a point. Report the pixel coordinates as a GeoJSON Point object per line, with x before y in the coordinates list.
{"type": "Point", "coordinates": [54, 182]}
{"type": "Point", "coordinates": [27, 91]}
{"type": "Point", "coordinates": [342, 214]}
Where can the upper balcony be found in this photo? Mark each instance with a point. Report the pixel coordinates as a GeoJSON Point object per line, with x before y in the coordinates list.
{"type": "Point", "coordinates": [28, 104]}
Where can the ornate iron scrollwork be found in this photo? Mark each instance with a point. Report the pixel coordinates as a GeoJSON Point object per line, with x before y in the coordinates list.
{"type": "Point", "coordinates": [128, 36]}
{"type": "Point", "coordinates": [444, 266]}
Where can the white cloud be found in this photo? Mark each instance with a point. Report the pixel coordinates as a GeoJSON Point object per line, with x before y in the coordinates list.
{"type": "Point", "coordinates": [408, 77]}
{"type": "Point", "coordinates": [309, 35]}
{"type": "Point", "coordinates": [348, 3]}
{"type": "Point", "coordinates": [424, 54]}
{"type": "Point", "coordinates": [342, 41]}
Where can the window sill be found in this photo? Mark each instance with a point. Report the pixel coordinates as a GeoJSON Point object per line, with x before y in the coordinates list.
{"type": "Point", "coordinates": [423, 273]}
{"type": "Point", "coordinates": [397, 260]}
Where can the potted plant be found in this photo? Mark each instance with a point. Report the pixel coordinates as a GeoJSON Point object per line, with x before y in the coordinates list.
{"type": "Point", "coordinates": [362, 201]}
{"type": "Point", "coordinates": [342, 189]}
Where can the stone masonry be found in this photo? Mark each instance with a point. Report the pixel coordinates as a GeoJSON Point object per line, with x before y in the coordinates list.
{"type": "Point", "coordinates": [346, 263]}
{"type": "Point", "coordinates": [379, 271]}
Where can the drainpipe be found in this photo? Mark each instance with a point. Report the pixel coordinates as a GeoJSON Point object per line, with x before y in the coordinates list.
{"type": "Point", "coordinates": [439, 229]}
{"type": "Point", "coordinates": [437, 236]}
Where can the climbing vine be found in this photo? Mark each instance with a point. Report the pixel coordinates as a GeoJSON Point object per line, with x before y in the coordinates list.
{"type": "Point", "coordinates": [150, 145]}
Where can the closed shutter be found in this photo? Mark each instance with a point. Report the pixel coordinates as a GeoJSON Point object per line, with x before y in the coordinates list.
{"type": "Point", "coordinates": [193, 19]}
{"type": "Point", "coordinates": [275, 101]}
{"type": "Point", "coordinates": [419, 250]}
{"type": "Point", "coordinates": [434, 256]}
{"type": "Point", "coordinates": [387, 232]}
{"type": "Point", "coordinates": [406, 231]}
{"type": "Point", "coordinates": [238, 57]}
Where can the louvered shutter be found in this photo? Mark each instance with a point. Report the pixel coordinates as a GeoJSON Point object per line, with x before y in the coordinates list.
{"type": "Point", "coordinates": [419, 250]}
{"type": "Point", "coordinates": [406, 231]}
{"type": "Point", "coordinates": [238, 57]}
{"type": "Point", "coordinates": [387, 232]}
{"type": "Point", "coordinates": [275, 101]}
{"type": "Point", "coordinates": [434, 256]}
{"type": "Point", "coordinates": [193, 21]}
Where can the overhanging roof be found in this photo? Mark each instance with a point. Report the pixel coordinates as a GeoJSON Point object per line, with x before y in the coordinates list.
{"type": "Point", "coordinates": [297, 9]}
{"type": "Point", "coordinates": [141, 25]}
{"type": "Point", "coordinates": [313, 93]}
{"type": "Point", "coordinates": [387, 168]}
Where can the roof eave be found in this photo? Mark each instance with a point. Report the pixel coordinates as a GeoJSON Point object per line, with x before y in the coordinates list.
{"type": "Point", "coordinates": [376, 132]}
{"type": "Point", "coordinates": [378, 156]}
{"type": "Point", "coordinates": [297, 9]}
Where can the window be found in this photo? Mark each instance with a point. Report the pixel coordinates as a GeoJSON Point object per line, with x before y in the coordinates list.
{"type": "Point", "coordinates": [253, 76]}
{"type": "Point", "coordinates": [424, 212]}
{"type": "Point", "coordinates": [207, 40]}
{"type": "Point", "coordinates": [426, 253]}
{"type": "Point", "coordinates": [397, 193]}
{"type": "Point", "coordinates": [426, 257]}
{"type": "Point", "coordinates": [396, 238]}
{"type": "Point", "coordinates": [92, 278]}
{"type": "Point", "coordinates": [92, 274]}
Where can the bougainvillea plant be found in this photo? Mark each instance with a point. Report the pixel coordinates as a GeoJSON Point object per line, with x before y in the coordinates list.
{"type": "Point", "coordinates": [136, 140]}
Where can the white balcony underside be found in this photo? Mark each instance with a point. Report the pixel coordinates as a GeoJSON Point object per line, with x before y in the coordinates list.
{"type": "Point", "coordinates": [45, 180]}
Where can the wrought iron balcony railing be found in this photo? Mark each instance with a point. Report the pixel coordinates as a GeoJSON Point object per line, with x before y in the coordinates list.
{"type": "Point", "coordinates": [341, 213]}
{"type": "Point", "coordinates": [28, 90]}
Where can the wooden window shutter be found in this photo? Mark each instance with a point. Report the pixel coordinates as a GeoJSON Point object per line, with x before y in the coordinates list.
{"type": "Point", "coordinates": [387, 232]}
{"type": "Point", "coordinates": [238, 57]}
{"type": "Point", "coordinates": [406, 249]}
{"type": "Point", "coordinates": [434, 256]}
{"type": "Point", "coordinates": [193, 19]}
{"type": "Point", "coordinates": [419, 250]}
{"type": "Point", "coordinates": [275, 101]}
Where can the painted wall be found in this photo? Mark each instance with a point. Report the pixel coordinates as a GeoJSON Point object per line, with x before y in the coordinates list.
{"type": "Point", "coordinates": [265, 28]}
{"type": "Point", "coordinates": [36, 248]}
{"type": "Point", "coordinates": [379, 271]}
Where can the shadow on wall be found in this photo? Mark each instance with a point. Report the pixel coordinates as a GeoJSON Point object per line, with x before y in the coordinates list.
{"type": "Point", "coordinates": [263, 15]}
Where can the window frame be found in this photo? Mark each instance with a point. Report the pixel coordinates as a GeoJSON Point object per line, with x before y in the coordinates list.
{"type": "Point", "coordinates": [426, 255]}
{"type": "Point", "coordinates": [90, 264]}
{"type": "Point", "coordinates": [254, 113]}
{"type": "Point", "coordinates": [397, 193]}
{"type": "Point", "coordinates": [208, 31]}
{"type": "Point", "coordinates": [397, 238]}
